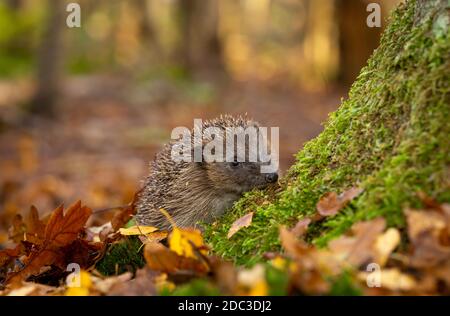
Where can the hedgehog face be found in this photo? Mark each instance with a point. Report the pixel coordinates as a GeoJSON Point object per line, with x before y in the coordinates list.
{"type": "Point", "coordinates": [239, 177]}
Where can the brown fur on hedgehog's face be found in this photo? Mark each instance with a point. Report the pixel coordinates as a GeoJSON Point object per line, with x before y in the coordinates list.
{"type": "Point", "coordinates": [238, 177]}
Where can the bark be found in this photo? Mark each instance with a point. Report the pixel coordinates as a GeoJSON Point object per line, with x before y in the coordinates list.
{"type": "Point", "coordinates": [356, 41]}
{"type": "Point", "coordinates": [200, 48]}
{"type": "Point", "coordinates": [50, 57]}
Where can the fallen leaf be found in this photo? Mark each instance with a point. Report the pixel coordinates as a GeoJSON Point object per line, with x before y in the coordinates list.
{"type": "Point", "coordinates": [124, 214]}
{"type": "Point", "coordinates": [294, 247]}
{"type": "Point", "coordinates": [301, 227]}
{"type": "Point", "coordinates": [84, 286]}
{"type": "Point", "coordinates": [35, 289]}
{"type": "Point", "coordinates": [350, 194]}
{"type": "Point", "coordinates": [252, 282]}
{"type": "Point", "coordinates": [331, 203]}
{"type": "Point", "coordinates": [154, 237]}
{"type": "Point", "coordinates": [35, 228]}
{"type": "Point", "coordinates": [137, 230]}
{"type": "Point", "coordinates": [143, 284]}
{"type": "Point", "coordinates": [385, 244]}
{"type": "Point", "coordinates": [8, 254]}
{"type": "Point", "coordinates": [187, 242]}
{"type": "Point", "coordinates": [60, 231]}
{"type": "Point", "coordinates": [99, 233]}
{"type": "Point", "coordinates": [240, 223]}
{"type": "Point", "coordinates": [225, 275]}
{"type": "Point", "coordinates": [161, 258]}
{"type": "Point", "coordinates": [393, 279]}
{"type": "Point", "coordinates": [359, 248]}
{"type": "Point", "coordinates": [426, 230]}
{"type": "Point", "coordinates": [17, 230]}
{"type": "Point", "coordinates": [104, 285]}
{"type": "Point", "coordinates": [31, 230]}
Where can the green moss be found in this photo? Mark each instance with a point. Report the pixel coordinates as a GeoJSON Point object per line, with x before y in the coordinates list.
{"type": "Point", "coordinates": [344, 285]}
{"type": "Point", "coordinates": [390, 137]}
{"type": "Point", "coordinates": [122, 256]}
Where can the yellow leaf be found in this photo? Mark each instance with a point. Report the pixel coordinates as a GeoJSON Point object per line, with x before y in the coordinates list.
{"type": "Point", "coordinates": [153, 237]}
{"type": "Point", "coordinates": [137, 230]}
{"type": "Point", "coordinates": [393, 279]}
{"type": "Point", "coordinates": [162, 283]}
{"type": "Point", "coordinates": [279, 262]}
{"type": "Point", "coordinates": [253, 282]}
{"type": "Point", "coordinates": [185, 242]}
{"type": "Point", "coordinates": [385, 244]}
{"type": "Point", "coordinates": [77, 291]}
{"type": "Point", "coordinates": [259, 289]}
{"type": "Point", "coordinates": [84, 286]}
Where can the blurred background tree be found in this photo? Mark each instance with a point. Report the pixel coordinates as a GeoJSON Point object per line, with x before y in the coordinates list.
{"type": "Point", "coordinates": [307, 43]}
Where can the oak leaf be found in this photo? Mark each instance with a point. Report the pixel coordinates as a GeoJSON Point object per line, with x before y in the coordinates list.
{"type": "Point", "coordinates": [60, 231]}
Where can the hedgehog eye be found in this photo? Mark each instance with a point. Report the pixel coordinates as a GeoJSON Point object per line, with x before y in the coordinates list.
{"type": "Point", "coordinates": [234, 163]}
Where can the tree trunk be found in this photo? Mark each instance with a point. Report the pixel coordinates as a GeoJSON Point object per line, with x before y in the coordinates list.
{"type": "Point", "coordinates": [390, 138]}
{"type": "Point", "coordinates": [356, 40]}
{"type": "Point", "coordinates": [200, 50]}
{"type": "Point", "coordinates": [50, 61]}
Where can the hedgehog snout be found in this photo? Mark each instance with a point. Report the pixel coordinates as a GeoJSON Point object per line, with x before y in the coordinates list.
{"type": "Point", "coordinates": [272, 177]}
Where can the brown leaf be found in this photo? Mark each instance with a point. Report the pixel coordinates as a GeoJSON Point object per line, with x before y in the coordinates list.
{"type": "Point", "coordinates": [350, 194]}
{"type": "Point", "coordinates": [60, 231]}
{"type": "Point", "coordinates": [7, 254]}
{"type": "Point", "coordinates": [426, 230]}
{"type": "Point", "coordinates": [331, 203]}
{"type": "Point", "coordinates": [161, 258]}
{"type": "Point", "coordinates": [294, 247]}
{"type": "Point", "coordinates": [83, 252]}
{"type": "Point", "coordinates": [360, 248]}
{"type": "Point", "coordinates": [31, 230]}
{"type": "Point", "coordinates": [225, 275]}
{"type": "Point", "coordinates": [17, 231]}
{"type": "Point", "coordinates": [142, 285]}
{"type": "Point", "coordinates": [35, 227]}
{"type": "Point", "coordinates": [301, 227]}
{"type": "Point", "coordinates": [124, 214]}
{"type": "Point", "coordinates": [154, 237]}
{"type": "Point", "coordinates": [240, 223]}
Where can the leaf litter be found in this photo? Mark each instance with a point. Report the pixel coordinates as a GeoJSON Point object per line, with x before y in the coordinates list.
{"type": "Point", "coordinates": [379, 260]}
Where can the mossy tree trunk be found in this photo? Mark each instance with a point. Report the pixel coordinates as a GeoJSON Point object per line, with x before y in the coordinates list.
{"type": "Point", "coordinates": [390, 137]}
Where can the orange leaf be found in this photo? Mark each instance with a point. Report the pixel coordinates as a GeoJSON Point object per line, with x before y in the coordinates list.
{"type": "Point", "coordinates": [331, 203]}
{"type": "Point", "coordinates": [240, 223]}
{"type": "Point", "coordinates": [301, 227]}
{"type": "Point", "coordinates": [124, 214]}
{"type": "Point", "coordinates": [61, 230]}
{"type": "Point", "coordinates": [162, 259]}
{"type": "Point", "coordinates": [31, 230]}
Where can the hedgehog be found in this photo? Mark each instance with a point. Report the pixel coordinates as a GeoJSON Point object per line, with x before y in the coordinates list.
{"type": "Point", "coordinates": [196, 193]}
